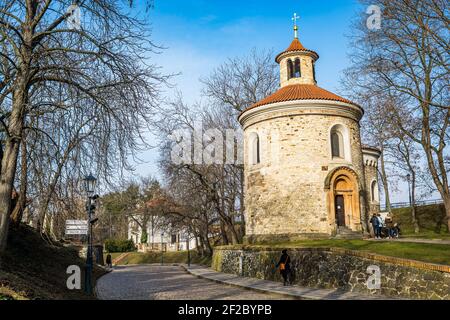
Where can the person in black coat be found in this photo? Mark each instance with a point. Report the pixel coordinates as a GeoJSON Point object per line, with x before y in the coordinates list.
{"type": "Point", "coordinates": [376, 226]}
{"type": "Point", "coordinates": [285, 267]}
{"type": "Point", "coordinates": [109, 261]}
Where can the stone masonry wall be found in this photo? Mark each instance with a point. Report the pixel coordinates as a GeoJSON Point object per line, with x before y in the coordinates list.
{"type": "Point", "coordinates": [284, 194]}
{"type": "Point", "coordinates": [306, 69]}
{"type": "Point", "coordinates": [371, 175]}
{"type": "Point", "coordinates": [340, 269]}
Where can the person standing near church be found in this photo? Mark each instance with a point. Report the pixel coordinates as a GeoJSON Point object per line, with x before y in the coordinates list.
{"type": "Point", "coordinates": [109, 261]}
{"type": "Point", "coordinates": [375, 224]}
{"type": "Point", "coordinates": [284, 266]}
{"type": "Point", "coordinates": [380, 225]}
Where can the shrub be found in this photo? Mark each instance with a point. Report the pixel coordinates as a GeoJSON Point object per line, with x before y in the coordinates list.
{"type": "Point", "coordinates": [119, 245]}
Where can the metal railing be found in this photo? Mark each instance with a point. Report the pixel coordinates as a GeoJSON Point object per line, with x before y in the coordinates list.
{"type": "Point", "coordinates": [406, 204]}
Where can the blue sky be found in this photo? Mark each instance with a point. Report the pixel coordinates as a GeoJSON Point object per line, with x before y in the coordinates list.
{"type": "Point", "coordinates": [199, 35]}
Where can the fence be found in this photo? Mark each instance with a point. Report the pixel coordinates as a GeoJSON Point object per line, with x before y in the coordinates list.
{"type": "Point", "coordinates": [406, 204]}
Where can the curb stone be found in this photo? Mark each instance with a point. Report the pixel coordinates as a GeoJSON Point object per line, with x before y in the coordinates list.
{"type": "Point", "coordinates": [310, 294]}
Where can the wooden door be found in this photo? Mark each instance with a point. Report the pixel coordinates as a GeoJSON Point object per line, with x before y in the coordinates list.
{"type": "Point", "coordinates": [340, 210]}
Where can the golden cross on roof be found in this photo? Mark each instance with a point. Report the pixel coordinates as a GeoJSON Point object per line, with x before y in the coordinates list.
{"type": "Point", "coordinates": [295, 18]}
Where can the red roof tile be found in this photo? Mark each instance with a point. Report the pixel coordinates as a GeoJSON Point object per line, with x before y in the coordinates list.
{"type": "Point", "coordinates": [300, 92]}
{"type": "Point", "coordinates": [295, 45]}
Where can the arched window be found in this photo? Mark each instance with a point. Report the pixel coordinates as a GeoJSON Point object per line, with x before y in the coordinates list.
{"type": "Point", "coordinates": [374, 191]}
{"type": "Point", "coordinates": [337, 144]}
{"type": "Point", "coordinates": [290, 69]}
{"type": "Point", "coordinates": [254, 149]}
{"type": "Point", "coordinates": [297, 71]}
{"type": "Point", "coordinates": [340, 142]}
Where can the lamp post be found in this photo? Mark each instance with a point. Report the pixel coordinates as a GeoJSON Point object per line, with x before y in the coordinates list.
{"type": "Point", "coordinates": [89, 187]}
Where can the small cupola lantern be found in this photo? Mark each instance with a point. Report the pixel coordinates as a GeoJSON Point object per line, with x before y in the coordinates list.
{"type": "Point", "coordinates": [297, 62]}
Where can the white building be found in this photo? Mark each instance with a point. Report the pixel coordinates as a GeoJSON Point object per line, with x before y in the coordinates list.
{"type": "Point", "coordinates": [169, 238]}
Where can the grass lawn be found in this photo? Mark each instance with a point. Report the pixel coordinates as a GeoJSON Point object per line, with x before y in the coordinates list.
{"type": "Point", "coordinates": [432, 222]}
{"type": "Point", "coordinates": [434, 253]}
{"type": "Point", "coordinates": [169, 257]}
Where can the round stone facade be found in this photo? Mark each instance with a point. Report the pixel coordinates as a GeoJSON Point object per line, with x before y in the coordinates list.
{"type": "Point", "coordinates": [286, 191]}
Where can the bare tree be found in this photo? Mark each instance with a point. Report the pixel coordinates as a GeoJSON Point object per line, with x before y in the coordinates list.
{"type": "Point", "coordinates": [101, 68]}
{"type": "Point", "coordinates": [403, 149]}
{"type": "Point", "coordinates": [217, 181]}
{"type": "Point", "coordinates": [408, 59]}
{"type": "Point", "coordinates": [232, 87]}
{"type": "Point", "coordinates": [243, 81]}
{"type": "Point", "coordinates": [376, 132]}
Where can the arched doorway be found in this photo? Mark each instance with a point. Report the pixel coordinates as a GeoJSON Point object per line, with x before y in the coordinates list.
{"type": "Point", "coordinates": [344, 209]}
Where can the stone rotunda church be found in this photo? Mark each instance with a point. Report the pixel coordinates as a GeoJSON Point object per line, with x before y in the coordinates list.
{"type": "Point", "coordinates": [307, 175]}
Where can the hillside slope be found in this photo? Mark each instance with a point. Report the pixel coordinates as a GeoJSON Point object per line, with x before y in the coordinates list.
{"type": "Point", "coordinates": [432, 221]}
{"type": "Point", "coordinates": [31, 268]}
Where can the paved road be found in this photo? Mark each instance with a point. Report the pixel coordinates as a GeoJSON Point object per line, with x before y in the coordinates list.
{"type": "Point", "coordinates": [155, 282]}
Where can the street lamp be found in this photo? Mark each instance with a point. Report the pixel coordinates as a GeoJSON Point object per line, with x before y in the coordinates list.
{"type": "Point", "coordinates": [89, 184]}
{"type": "Point", "coordinates": [89, 187]}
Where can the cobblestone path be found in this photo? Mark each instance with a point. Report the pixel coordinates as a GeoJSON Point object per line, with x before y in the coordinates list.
{"type": "Point", "coordinates": [155, 282]}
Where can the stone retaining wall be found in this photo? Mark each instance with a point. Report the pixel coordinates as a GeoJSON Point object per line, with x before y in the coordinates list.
{"type": "Point", "coordinates": [340, 269]}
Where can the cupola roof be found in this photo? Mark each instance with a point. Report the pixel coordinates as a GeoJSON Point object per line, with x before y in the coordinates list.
{"type": "Point", "coordinates": [300, 92]}
{"type": "Point", "coordinates": [296, 46]}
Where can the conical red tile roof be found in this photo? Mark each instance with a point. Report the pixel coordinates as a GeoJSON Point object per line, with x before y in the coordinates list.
{"type": "Point", "coordinates": [295, 45]}
{"type": "Point", "coordinates": [300, 92]}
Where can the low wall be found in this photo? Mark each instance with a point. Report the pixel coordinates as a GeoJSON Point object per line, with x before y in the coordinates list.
{"type": "Point", "coordinates": [335, 268]}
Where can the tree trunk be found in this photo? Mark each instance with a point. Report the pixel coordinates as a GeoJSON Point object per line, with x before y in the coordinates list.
{"type": "Point", "coordinates": [9, 160]}
{"type": "Point", "coordinates": [439, 174]}
{"type": "Point", "coordinates": [14, 132]}
{"type": "Point", "coordinates": [51, 190]}
{"type": "Point", "coordinates": [414, 220]}
{"type": "Point", "coordinates": [223, 231]}
{"type": "Point", "coordinates": [447, 210]}
{"type": "Point", "coordinates": [385, 183]}
{"type": "Point", "coordinates": [17, 215]}
{"type": "Point", "coordinates": [7, 175]}
{"type": "Point", "coordinates": [234, 235]}
{"type": "Point", "coordinates": [208, 249]}
{"type": "Point", "coordinates": [200, 246]}
{"type": "Point", "coordinates": [196, 241]}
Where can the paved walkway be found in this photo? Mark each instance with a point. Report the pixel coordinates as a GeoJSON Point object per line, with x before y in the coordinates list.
{"type": "Point", "coordinates": [275, 287]}
{"type": "Point", "coordinates": [414, 240]}
{"type": "Point", "coordinates": [156, 282]}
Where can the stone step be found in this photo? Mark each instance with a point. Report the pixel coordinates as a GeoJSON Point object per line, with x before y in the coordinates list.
{"type": "Point", "coordinates": [348, 236]}
{"type": "Point", "coordinates": [345, 230]}
{"type": "Point", "coordinates": [347, 233]}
